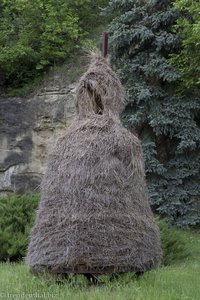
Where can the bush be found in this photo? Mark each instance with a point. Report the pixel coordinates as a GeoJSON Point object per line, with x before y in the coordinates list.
{"type": "Point", "coordinates": [174, 244]}
{"type": "Point", "coordinates": [17, 217]}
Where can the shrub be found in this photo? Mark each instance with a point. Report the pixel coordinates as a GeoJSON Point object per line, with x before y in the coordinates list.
{"type": "Point", "coordinates": [174, 244]}
{"type": "Point", "coordinates": [17, 216]}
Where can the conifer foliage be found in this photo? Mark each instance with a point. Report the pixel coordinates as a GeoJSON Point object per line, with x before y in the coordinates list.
{"type": "Point", "coordinates": [142, 39]}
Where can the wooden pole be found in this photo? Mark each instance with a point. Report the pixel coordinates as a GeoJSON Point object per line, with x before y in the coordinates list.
{"type": "Point", "coordinates": [105, 44]}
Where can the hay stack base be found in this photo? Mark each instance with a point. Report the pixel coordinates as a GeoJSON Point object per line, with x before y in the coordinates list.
{"type": "Point", "coordinates": [94, 216]}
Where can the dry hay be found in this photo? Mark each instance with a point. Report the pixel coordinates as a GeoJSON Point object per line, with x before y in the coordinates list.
{"type": "Point", "coordinates": [99, 90]}
{"type": "Point", "coordinates": [94, 216]}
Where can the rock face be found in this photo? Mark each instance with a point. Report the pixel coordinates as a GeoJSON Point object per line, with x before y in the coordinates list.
{"type": "Point", "coordinates": [28, 129]}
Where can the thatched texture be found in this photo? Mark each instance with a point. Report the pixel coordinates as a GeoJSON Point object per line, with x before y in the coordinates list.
{"type": "Point", "coordinates": [94, 215]}
{"type": "Point", "coordinates": [99, 90]}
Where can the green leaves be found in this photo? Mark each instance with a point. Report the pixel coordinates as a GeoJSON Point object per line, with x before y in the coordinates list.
{"type": "Point", "coordinates": [37, 34]}
{"type": "Point", "coordinates": [174, 245]}
{"type": "Point", "coordinates": [17, 217]}
{"type": "Point", "coordinates": [187, 61]}
{"type": "Point", "coordinates": [33, 34]}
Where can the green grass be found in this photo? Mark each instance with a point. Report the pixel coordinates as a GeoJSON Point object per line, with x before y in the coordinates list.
{"type": "Point", "coordinates": [178, 281]}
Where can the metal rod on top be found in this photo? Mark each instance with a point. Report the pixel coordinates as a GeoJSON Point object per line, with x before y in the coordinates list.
{"type": "Point", "coordinates": [104, 44]}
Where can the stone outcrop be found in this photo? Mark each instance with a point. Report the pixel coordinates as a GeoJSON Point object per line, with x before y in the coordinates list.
{"type": "Point", "coordinates": [28, 129]}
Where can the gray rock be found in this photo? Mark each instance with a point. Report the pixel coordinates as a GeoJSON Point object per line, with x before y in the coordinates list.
{"type": "Point", "coordinates": [28, 129]}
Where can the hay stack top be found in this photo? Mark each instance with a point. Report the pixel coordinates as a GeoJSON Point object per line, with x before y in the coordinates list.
{"type": "Point", "coordinates": [99, 91]}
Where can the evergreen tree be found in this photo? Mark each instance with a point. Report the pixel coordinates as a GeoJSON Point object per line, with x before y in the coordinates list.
{"type": "Point", "coordinates": [141, 41]}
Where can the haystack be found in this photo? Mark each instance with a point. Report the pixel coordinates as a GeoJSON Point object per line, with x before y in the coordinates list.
{"type": "Point", "coordinates": [94, 216]}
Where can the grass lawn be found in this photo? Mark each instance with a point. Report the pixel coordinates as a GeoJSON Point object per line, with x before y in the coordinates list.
{"type": "Point", "coordinates": [178, 281]}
